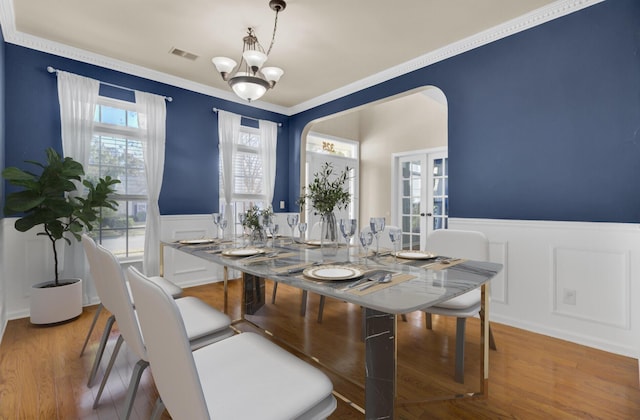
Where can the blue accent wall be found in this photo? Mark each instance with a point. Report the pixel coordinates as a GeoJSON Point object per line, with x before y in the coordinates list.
{"type": "Point", "coordinates": [543, 125]}
{"type": "Point", "coordinates": [2, 118]}
{"type": "Point", "coordinates": [190, 182]}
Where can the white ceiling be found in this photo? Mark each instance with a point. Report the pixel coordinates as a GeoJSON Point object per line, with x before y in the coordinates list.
{"type": "Point", "coordinates": [324, 46]}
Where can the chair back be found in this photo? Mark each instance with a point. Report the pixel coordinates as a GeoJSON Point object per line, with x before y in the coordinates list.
{"type": "Point", "coordinates": [114, 294]}
{"type": "Point", "coordinates": [91, 251]}
{"type": "Point", "coordinates": [459, 244]}
{"type": "Point", "coordinates": [170, 357]}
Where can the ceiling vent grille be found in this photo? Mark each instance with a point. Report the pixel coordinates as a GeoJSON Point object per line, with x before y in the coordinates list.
{"type": "Point", "coordinates": [183, 54]}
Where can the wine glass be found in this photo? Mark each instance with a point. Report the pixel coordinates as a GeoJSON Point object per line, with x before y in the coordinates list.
{"type": "Point", "coordinates": [241, 218]}
{"type": "Point", "coordinates": [302, 227]}
{"type": "Point", "coordinates": [216, 221]}
{"type": "Point", "coordinates": [273, 231]}
{"type": "Point", "coordinates": [366, 238]}
{"type": "Point", "coordinates": [395, 235]}
{"type": "Point", "coordinates": [223, 225]}
{"type": "Point", "coordinates": [292, 220]}
{"type": "Point", "coordinates": [377, 227]}
{"type": "Point", "coordinates": [348, 229]}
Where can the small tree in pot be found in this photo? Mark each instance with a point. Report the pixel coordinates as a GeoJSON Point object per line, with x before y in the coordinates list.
{"type": "Point", "coordinates": [47, 200]}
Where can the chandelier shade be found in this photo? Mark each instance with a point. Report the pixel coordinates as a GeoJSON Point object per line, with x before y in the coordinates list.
{"type": "Point", "coordinates": [250, 80]}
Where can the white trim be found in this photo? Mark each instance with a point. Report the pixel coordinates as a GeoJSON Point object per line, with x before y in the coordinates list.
{"type": "Point", "coordinates": [537, 17]}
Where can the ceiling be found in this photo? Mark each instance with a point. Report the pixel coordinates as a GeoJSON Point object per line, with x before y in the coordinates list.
{"type": "Point", "coordinates": [324, 46]}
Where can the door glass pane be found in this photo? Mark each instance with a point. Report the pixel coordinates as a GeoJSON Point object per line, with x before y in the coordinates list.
{"type": "Point", "coordinates": [405, 170]}
{"type": "Point", "coordinates": [437, 167]}
{"type": "Point", "coordinates": [406, 188]}
{"type": "Point", "coordinates": [406, 206]}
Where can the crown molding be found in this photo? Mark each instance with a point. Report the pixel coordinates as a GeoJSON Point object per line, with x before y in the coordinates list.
{"type": "Point", "coordinates": [537, 17]}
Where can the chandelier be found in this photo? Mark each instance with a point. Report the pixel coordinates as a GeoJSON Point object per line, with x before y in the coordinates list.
{"type": "Point", "coordinates": [250, 80]}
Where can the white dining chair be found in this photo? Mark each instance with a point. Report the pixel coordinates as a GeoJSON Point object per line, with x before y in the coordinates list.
{"type": "Point", "coordinates": [243, 377]}
{"type": "Point", "coordinates": [460, 244]}
{"type": "Point", "coordinates": [205, 325]}
{"type": "Point", "coordinates": [89, 246]}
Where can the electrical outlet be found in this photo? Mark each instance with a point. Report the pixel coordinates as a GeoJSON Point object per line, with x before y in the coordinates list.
{"type": "Point", "coordinates": [569, 296]}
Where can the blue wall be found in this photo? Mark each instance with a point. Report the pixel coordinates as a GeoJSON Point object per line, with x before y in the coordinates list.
{"type": "Point", "coordinates": [2, 118]}
{"type": "Point", "coordinates": [190, 182]}
{"type": "Point", "coordinates": [543, 125]}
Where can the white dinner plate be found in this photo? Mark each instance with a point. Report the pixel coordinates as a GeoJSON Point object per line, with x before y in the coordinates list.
{"type": "Point", "coordinates": [318, 242]}
{"type": "Point", "coordinates": [242, 252]}
{"type": "Point", "coordinates": [415, 255]}
{"type": "Point", "coordinates": [196, 241]}
{"type": "Point", "coordinates": [333, 272]}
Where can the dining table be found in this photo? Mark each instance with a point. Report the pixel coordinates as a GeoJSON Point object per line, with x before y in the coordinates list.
{"type": "Point", "coordinates": [414, 281]}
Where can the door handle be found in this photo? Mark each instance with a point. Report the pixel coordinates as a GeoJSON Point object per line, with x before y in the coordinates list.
{"type": "Point", "coordinates": [426, 214]}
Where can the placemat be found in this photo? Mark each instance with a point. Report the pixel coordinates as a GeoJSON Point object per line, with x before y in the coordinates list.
{"type": "Point", "coordinates": [269, 258]}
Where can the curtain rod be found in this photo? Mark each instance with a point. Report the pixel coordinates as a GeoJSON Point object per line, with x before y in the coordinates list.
{"type": "Point", "coordinates": [243, 116]}
{"type": "Point", "coordinates": [54, 70]}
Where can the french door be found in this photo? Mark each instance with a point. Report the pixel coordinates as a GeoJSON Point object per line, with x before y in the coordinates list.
{"type": "Point", "coordinates": [421, 194]}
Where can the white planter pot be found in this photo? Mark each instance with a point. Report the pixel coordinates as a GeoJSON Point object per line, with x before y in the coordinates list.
{"type": "Point", "coordinates": [56, 304]}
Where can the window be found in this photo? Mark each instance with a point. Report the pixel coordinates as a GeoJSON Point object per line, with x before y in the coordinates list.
{"type": "Point", "coordinates": [248, 174]}
{"type": "Point", "coordinates": [117, 150]}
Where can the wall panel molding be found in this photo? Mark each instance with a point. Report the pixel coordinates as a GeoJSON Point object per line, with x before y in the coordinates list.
{"type": "Point", "coordinates": [599, 263]}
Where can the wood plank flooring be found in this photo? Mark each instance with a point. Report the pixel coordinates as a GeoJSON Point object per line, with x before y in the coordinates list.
{"type": "Point", "coordinates": [531, 376]}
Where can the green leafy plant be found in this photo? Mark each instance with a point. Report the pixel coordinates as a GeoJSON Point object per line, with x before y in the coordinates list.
{"type": "Point", "coordinates": [327, 191]}
{"type": "Point", "coordinates": [47, 199]}
{"type": "Point", "coordinates": [255, 216]}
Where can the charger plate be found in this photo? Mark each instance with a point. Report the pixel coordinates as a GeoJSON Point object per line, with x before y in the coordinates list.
{"type": "Point", "coordinates": [415, 255]}
{"type": "Point", "coordinates": [242, 252]}
{"type": "Point", "coordinates": [333, 272]}
{"type": "Point", "coordinates": [317, 242]}
{"type": "Point", "coordinates": [196, 241]}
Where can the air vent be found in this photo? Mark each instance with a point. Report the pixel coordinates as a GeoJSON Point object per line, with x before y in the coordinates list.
{"type": "Point", "coordinates": [183, 54]}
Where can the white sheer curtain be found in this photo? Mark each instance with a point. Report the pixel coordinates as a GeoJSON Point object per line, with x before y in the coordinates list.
{"type": "Point", "coordinates": [78, 97]}
{"type": "Point", "coordinates": [268, 145]}
{"type": "Point", "coordinates": [229, 135]}
{"type": "Point", "coordinates": [152, 118]}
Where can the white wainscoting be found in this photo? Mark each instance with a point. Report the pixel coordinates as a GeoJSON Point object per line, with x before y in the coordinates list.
{"type": "Point", "coordinates": [571, 280]}
{"type": "Point", "coordinates": [574, 281]}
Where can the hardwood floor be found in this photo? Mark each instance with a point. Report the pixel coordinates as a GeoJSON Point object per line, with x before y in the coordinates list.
{"type": "Point", "coordinates": [531, 376]}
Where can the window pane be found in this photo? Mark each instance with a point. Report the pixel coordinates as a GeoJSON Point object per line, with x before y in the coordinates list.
{"type": "Point", "coordinates": [115, 116]}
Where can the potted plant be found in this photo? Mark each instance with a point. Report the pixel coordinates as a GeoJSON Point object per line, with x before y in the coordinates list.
{"type": "Point", "coordinates": [326, 193]}
{"type": "Point", "coordinates": [49, 200]}
{"type": "Point", "coordinates": [255, 219]}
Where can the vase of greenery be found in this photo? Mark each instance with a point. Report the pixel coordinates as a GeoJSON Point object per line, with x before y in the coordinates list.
{"type": "Point", "coordinates": [51, 201]}
{"type": "Point", "coordinates": [255, 220]}
{"type": "Point", "coordinates": [325, 193]}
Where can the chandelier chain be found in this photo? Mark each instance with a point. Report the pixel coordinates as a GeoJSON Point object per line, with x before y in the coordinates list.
{"type": "Point", "coordinates": [273, 36]}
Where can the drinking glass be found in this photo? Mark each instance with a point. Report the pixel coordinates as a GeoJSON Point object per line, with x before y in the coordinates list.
{"type": "Point", "coordinates": [223, 226]}
{"type": "Point", "coordinates": [377, 227]}
{"type": "Point", "coordinates": [302, 227]}
{"type": "Point", "coordinates": [348, 229]}
{"type": "Point", "coordinates": [395, 235]}
{"type": "Point", "coordinates": [241, 218]}
{"type": "Point", "coordinates": [292, 221]}
{"type": "Point", "coordinates": [216, 221]}
{"type": "Point", "coordinates": [366, 238]}
{"type": "Point", "coordinates": [273, 231]}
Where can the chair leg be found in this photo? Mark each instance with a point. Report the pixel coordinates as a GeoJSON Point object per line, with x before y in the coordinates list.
{"type": "Point", "coordinates": [460, 327]}
{"type": "Point", "coordinates": [93, 324]}
{"type": "Point", "coordinates": [303, 304]}
{"type": "Point", "coordinates": [158, 409]}
{"type": "Point", "coordinates": [273, 294]}
{"type": "Point", "coordinates": [428, 320]}
{"type": "Point", "coordinates": [114, 355]}
{"type": "Point", "coordinates": [103, 344]}
{"type": "Point", "coordinates": [320, 309]}
{"type": "Point", "coordinates": [136, 375]}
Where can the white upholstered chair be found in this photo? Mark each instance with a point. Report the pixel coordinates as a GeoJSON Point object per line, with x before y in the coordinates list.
{"type": "Point", "coordinates": [205, 325]}
{"type": "Point", "coordinates": [243, 377]}
{"type": "Point", "coordinates": [460, 244]}
{"type": "Point", "coordinates": [89, 246]}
